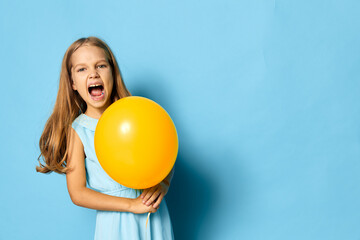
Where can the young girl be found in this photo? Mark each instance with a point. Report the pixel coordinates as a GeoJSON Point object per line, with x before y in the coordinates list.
{"type": "Point", "coordinates": [90, 80]}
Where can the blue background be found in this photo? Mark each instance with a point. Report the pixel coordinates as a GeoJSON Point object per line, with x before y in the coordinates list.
{"type": "Point", "coordinates": [264, 94]}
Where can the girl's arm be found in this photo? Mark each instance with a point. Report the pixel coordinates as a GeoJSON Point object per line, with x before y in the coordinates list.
{"type": "Point", "coordinates": [86, 197]}
{"type": "Point", "coordinates": [168, 178]}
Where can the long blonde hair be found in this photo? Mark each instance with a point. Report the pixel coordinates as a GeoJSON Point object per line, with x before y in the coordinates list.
{"type": "Point", "coordinates": [55, 138]}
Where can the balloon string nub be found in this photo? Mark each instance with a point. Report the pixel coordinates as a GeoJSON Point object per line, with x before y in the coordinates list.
{"type": "Point", "coordinates": [147, 220]}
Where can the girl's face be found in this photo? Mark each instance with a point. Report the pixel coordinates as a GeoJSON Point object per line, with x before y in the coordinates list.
{"type": "Point", "coordinates": [92, 78]}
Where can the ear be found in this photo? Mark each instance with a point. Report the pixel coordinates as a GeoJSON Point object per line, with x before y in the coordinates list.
{"type": "Point", "coordinates": [73, 86]}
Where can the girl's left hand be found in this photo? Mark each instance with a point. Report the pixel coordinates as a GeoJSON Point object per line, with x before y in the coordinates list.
{"type": "Point", "coordinates": [155, 194]}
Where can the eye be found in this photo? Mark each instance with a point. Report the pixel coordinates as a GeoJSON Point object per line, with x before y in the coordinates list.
{"type": "Point", "coordinates": [102, 66]}
{"type": "Point", "coordinates": [80, 69]}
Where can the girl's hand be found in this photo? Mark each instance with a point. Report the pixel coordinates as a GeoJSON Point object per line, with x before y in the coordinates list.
{"type": "Point", "coordinates": [154, 195]}
{"type": "Point", "coordinates": [138, 207]}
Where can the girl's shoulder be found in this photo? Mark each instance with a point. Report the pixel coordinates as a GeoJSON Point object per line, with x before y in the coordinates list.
{"type": "Point", "coordinates": [84, 121]}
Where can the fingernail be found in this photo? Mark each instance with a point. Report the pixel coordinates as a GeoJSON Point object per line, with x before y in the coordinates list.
{"type": "Point", "coordinates": [144, 201]}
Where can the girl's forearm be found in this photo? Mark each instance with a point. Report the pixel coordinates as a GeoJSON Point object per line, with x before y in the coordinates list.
{"type": "Point", "coordinates": [88, 198]}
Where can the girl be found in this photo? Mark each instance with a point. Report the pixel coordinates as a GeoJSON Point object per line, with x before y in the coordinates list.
{"type": "Point", "coordinates": [90, 80]}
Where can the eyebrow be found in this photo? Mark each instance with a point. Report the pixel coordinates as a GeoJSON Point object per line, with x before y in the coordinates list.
{"type": "Point", "coordinates": [85, 64]}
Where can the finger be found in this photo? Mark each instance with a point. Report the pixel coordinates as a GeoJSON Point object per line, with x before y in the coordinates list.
{"type": "Point", "coordinates": [155, 209]}
{"type": "Point", "coordinates": [148, 195]}
{"type": "Point", "coordinates": [145, 191]}
{"type": "Point", "coordinates": [158, 201]}
{"type": "Point", "coordinates": [153, 197]}
{"type": "Point", "coordinates": [149, 208]}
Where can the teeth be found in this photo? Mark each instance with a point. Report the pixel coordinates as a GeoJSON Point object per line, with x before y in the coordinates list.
{"type": "Point", "coordinates": [95, 85]}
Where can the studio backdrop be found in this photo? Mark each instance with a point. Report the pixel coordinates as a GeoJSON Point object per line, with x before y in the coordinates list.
{"type": "Point", "coordinates": [265, 96]}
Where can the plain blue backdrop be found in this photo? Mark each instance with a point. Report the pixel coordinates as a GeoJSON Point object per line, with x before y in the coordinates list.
{"type": "Point", "coordinates": [265, 96]}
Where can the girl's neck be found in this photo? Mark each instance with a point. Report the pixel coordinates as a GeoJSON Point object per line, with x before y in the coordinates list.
{"type": "Point", "coordinates": [95, 112]}
{"type": "Point", "coordinates": [92, 114]}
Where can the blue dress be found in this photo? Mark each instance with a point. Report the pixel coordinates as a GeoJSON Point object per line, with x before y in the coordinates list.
{"type": "Point", "coordinates": [111, 225]}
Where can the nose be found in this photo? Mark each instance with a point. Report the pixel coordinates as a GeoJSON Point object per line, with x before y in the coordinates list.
{"type": "Point", "coordinates": [93, 74]}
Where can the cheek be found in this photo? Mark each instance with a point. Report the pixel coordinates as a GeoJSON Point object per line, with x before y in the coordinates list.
{"type": "Point", "coordinates": [110, 81]}
{"type": "Point", "coordinates": [79, 83]}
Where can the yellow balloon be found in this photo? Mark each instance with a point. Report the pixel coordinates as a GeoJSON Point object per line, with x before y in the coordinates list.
{"type": "Point", "coordinates": [136, 142]}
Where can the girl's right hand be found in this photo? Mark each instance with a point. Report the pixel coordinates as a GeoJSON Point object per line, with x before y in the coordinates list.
{"type": "Point", "coordinates": [138, 207]}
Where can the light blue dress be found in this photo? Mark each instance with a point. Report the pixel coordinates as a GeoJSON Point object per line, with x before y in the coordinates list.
{"type": "Point", "coordinates": [118, 225]}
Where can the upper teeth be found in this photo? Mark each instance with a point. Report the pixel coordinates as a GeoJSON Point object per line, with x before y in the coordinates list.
{"type": "Point", "coordinates": [95, 85]}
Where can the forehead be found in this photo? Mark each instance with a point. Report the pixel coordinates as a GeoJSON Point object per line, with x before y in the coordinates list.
{"type": "Point", "coordinates": [86, 54]}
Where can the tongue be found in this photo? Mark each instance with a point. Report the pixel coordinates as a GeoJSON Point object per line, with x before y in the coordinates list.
{"type": "Point", "coordinates": [95, 92]}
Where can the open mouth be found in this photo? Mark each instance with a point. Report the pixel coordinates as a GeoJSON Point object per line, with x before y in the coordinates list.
{"type": "Point", "coordinates": [96, 90]}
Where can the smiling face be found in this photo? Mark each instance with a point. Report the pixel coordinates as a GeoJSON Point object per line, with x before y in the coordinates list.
{"type": "Point", "coordinates": [92, 78]}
